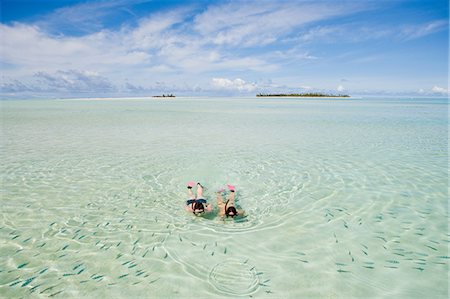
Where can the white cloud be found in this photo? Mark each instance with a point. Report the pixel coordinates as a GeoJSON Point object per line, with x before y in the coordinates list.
{"type": "Point", "coordinates": [357, 32]}
{"type": "Point", "coordinates": [75, 81]}
{"type": "Point", "coordinates": [234, 85]}
{"type": "Point", "coordinates": [439, 90]}
{"type": "Point", "coordinates": [340, 88]}
{"type": "Point", "coordinates": [258, 23]}
{"type": "Point", "coordinates": [420, 30]}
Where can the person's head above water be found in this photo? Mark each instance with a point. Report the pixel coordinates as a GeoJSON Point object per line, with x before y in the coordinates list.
{"type": "Point", "coordinates": [198, 208]}
{"type": "Point", "coordinates": [197, 204]}
{"type": "Point", "coordinates": [231, 212]}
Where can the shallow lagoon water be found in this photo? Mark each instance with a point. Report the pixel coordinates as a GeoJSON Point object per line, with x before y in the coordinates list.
{"type": "Point", "coordinates": [344, 198]}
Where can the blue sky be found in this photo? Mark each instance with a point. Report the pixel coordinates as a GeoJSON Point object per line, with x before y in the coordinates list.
{"type": "Point", "coordinates": [70, 48]}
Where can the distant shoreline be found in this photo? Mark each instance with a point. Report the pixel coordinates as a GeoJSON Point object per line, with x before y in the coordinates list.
{"type": "Point", "coordinates": [303, 95]}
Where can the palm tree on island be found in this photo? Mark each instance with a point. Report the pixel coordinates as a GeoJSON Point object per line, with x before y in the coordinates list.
{"type": "Point", "coordinates": [165, 96]}
{"type": "Point", "coordinates": [305, 95]}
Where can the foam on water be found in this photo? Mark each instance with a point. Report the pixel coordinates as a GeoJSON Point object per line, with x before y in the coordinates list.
{"type": "Point", "coordinates": [344, 198]}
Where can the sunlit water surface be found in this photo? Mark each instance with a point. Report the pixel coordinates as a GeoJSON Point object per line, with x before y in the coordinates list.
{"type": "Point", "coordinates": [344, 198]}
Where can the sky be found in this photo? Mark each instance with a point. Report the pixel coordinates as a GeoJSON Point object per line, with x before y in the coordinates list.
{"type": "Point", "coordinates": [69, 48]}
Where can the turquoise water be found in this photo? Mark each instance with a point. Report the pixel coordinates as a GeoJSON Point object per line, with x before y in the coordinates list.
{"type": "Point", "coordinates": [344, 198]}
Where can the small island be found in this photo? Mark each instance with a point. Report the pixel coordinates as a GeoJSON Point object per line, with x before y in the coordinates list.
{"type": "Point", "coordinates": [165, 96]}
{"type": "Point", "coordinates": [304, 95]}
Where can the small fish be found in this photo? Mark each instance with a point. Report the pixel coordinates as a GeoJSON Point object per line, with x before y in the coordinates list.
{"type": "Point", "coordinates": [369, 267]}
{"type": "Point", "coordinates": [381, 238]}
{"type": "Point", "coordinates": [34, 288]}
{"type": "Point", "coordinates": [26, 240]}
{"type": "Point", "coordinates": [304, 261]}
{"type": "Point", "coordinates": [81, 271]}
{"type": "Point", "coordinates": [421, 253]}
{"type": "Point", "coordinates": [43, 270]}
{"type": "Point", "coordinates": [64, 248]}
{"type": "Point", "coordinates": [14, 283]}
{"type": "Point", "coordinates": [97, 277]}
{"type": "Point", "coordinates": [364, 252]}
{"type": "Point", "coordinates": [225, 251]}
{"type": "Point", "coordinates": [28, 281]}
{"type": "Point", "coordinates": [123, 275]}
{"type": "Point", "coordinates": [77, 266]}
{"type": "Point", "coordinates": [22, 265]}
{"type": "Point", "coordinates": [343, 271]}
{"type": "Point", "coordinates": [47, 289]}
{"type": "Point", "coordinates": [431, 247]}
{"type": "Point", "coordinates": [419, 268]}
{"type": "Point", "coordinates": [140, 272]}
{"type": "Point", "coordinates": [54, 294]}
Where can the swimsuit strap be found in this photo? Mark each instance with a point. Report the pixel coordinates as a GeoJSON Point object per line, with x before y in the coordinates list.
{"type": "Point", "coordinates": [226, 206]}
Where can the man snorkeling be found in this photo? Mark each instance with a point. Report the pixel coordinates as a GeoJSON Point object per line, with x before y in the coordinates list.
{"type": "Point", "coordinates": [197, 204]}
{"type": "Point", "coordinates": [228, 208]}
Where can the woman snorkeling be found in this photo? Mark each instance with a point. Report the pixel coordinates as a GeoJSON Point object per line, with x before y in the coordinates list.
{"type": "Point", "coordinates": [197, 204]}
{"type": "Point", "coordinates": [228, 207]}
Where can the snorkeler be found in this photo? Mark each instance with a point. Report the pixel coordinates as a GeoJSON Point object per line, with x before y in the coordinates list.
{"type": "Point", "coordinates": [197, 204]}
{"type": "Point", "coordinates": [228, 208]}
